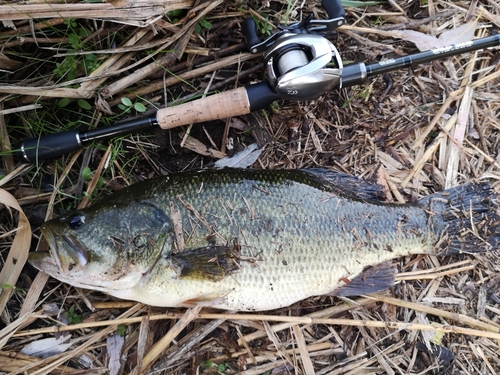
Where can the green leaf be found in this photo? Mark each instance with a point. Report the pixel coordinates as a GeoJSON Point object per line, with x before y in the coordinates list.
{"type": "Point", "coordinates": [100, 182]}
{"type": "Point", "coordinates": [84, 104]}
{"type": "Point", "coordinates": [222, 367]}
{"type": "Point", "coordinates": [63, 102]}
{"type": "Point", "coordinates": [121, 330]}
{"type": "Point", "coordinates": [207, 364]}
{"type": "Point", "coordinates": [206, 24]}
{"type": "Point", "coordinates": [74, 40]}
{"type": "Point", "coordinates": [90, 58]}
{"type": "Point", "coordinates": [174, 13]}
{"type": "Point", "coordinates": [70, 22]}
{"type": "Point", "coordinates": [127, 102]}
{"type": "Point", "coordinates": [86, 173]}
{"type": "Point", "coordinates": [66, 68]}
{"type": "Point", "coordinates": [72, 316]}
{"type": "Point", "coordinates": [84, 32]}
{"type": "Point", "coordinates": [139, 107]}
{"type": "Point", "coordinates": [6, 286]}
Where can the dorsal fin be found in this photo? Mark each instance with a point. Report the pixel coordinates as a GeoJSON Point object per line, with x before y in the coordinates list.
{"type": "Point", "coordinates": [349, 185]}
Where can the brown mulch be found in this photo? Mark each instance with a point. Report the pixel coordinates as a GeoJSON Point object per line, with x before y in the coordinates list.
{"type": "Point", "coordinates": [435, 126]}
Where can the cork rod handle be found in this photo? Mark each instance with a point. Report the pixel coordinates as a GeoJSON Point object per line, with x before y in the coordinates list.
{"type": "Point", "coordinates": [226, 104]}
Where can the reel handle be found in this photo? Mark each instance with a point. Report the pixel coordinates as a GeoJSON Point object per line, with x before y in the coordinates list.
{"type": "Point", "coordinates": [308, 25]}
{"type": "Point", "coordinates": [249, 31]}
{"type": "Point", "coordinates": [333, 8]}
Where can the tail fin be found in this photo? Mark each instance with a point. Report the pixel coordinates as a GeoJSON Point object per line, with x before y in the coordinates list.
{"type": "Point", "coordinates": [466, 218]}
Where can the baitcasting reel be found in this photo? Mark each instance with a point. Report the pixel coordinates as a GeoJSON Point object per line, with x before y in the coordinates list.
{"type": "Point", "coordinates": [299, 63]}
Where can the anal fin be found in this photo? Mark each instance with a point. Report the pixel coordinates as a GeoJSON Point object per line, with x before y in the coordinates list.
{"type": "Point", "coordinates": [371, 280]}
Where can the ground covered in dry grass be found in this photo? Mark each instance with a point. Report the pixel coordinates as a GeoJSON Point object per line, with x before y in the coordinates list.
{"type": "Point", "coordinates": [419, 130]}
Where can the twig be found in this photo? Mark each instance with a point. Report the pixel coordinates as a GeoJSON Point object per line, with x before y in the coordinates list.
{"type": "Point", "coordinates": [165, 341]}
{"type": "Point", "coordinates": [483, 329]}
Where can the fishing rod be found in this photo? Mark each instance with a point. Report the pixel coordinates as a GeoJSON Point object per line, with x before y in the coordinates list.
{"type": "Point", "coordinates": [300, 64]}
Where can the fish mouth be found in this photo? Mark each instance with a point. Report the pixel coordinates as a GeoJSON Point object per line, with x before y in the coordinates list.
{"type": "Point", "coordinates": [46, 261]}
{"type": "Point", "coordinates": [43, 261]}
{"type": "Point", "coordinates": [66, 252]}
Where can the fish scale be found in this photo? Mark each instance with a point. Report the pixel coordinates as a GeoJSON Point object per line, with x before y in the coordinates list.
{"type": "Point", "coordinates": [257, 240]}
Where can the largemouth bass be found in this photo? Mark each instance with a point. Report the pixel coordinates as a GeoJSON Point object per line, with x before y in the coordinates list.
{"type": "Point", "coordinates": [257, 239]}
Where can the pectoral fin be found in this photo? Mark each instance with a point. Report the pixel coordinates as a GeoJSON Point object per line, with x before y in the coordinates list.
{"type": "Point", "coordinates": [371, 280]}
{"type": "Point", "coordinates": [211, 263]}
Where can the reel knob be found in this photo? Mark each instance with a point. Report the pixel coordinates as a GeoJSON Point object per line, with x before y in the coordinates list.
{"type": "Point", "coordinates": [302, 66]}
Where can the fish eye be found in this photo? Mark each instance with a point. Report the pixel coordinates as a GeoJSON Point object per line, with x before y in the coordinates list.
{"type": "Point", "coordinates": [75, 221]}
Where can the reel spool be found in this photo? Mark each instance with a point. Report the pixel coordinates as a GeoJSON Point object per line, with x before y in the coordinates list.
{"type": "Point", "coordinates": [302, 66]}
